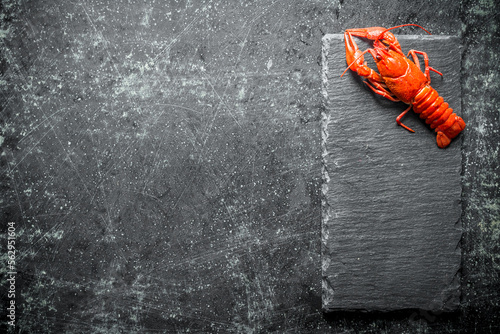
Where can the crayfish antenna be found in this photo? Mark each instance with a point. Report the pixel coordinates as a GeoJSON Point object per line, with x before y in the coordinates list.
{"type": "Point", "coordinates": [402, 25]}
{"type": "Point", "coordinates": [436, 71]}
{"type": "Point", "coordinates": [345, 71]}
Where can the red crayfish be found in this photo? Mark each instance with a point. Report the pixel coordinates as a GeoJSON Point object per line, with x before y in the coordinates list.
{"type": "Point", "coordinates": [400, 79]}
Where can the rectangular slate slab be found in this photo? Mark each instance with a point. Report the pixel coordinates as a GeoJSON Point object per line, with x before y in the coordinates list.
{"type": "Point", "coordinates": [391, 199]}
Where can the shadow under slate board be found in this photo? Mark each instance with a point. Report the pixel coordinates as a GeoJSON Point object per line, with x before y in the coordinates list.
{"type": "Point", "coordinates": [391, 212]}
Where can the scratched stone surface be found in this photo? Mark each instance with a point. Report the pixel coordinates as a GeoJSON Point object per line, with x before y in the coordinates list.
{"type": "Point", "coordinates": [392, 200]}
{"type": "Point", "coordinates": [161, 161]}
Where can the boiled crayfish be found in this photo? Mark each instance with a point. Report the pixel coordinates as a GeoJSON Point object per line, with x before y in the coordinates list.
{"type": "Point", "coordinates": [400, 79]}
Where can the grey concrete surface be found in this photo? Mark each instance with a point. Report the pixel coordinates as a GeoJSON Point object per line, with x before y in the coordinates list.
{"type": "Point", "coordinates": [161, 164]}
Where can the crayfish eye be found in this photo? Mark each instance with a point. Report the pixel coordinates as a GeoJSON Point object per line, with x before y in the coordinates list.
{"type": "Point", "coordinates": [379, 57]}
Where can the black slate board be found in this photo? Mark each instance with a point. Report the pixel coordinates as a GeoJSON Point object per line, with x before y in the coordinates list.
{"type": "Point", "coordinates": [391, 210]}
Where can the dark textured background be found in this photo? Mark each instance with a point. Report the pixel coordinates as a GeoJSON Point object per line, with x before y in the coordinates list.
{"type": "Point", "coordinates": [161, 161]}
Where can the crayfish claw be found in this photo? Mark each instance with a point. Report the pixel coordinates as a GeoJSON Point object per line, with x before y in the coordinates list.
{"type": "Point", "coordinates": [356, 61]}
{"type": "Point", "coordinates": [376, 33]}
{"type": "Point", "coordinates": [354, 56]}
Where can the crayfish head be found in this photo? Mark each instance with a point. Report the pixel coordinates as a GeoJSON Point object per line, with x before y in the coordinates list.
{"type": "Point", "coordinates": [389, 62]}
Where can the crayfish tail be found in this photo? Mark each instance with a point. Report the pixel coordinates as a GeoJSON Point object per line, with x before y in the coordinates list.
{"type": "Point", "coordinates": [438, 115]}
{"type": "Point", "coordinates": [445, 135]}
{"type": "Point", "coordinates": [442, 140]}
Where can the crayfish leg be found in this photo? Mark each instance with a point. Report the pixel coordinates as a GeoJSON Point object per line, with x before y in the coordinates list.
{"type": "Point", "coordinates": [398, 119]}
{"type": "Point", "coordinates": [427, 68]}
{"type": "Point", "coordinates": [380, 90]}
